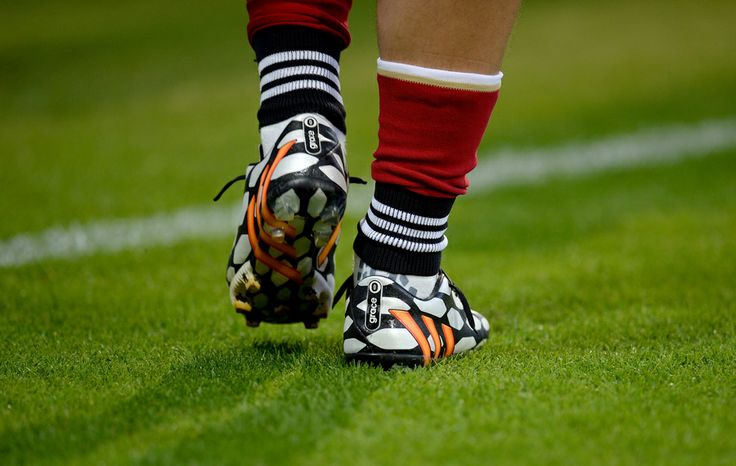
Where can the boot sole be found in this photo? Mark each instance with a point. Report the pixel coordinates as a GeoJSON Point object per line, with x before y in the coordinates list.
{"type": "Point", "coordinates": [293, 231]}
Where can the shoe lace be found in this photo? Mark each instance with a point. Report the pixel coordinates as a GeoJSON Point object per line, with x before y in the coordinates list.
{"type": "Point", "coordinates": [347, 287]}
{"type": "Point", "coordinates": [227, 186]}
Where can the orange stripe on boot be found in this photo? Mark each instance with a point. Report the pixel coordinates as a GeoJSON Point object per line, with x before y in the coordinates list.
{"type": "Point", "coordinates": [406, 320]}
{"type": "Point", "coordinates": [330, 243]}
{"type": "Point", "coordinates": [267, 215]}
{"type": "Point", "coordinates": [429, 323]}
{"type": "Point", "coordinates": [288, 272]}
{"type": "Point", "coordinates": [290, 251]}
{"type": "Point", "coordinates": [449, 340]}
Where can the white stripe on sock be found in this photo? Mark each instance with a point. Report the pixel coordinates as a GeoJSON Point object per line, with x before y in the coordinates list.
{"type": "Point", "coordinates": [401, 243]}
{"type": "Point", "coordinates": [300, 70]}
{"type": "Point", "coordinates": [442, 78]}
{"type": "Point", "coordinates": [302, 84]}
{"type": "Point", "coordinates": [297, 55]}
{"type": "Point", "coordinates": [402, 230]}
{"type": "Point", "coordinates": [406, 216]}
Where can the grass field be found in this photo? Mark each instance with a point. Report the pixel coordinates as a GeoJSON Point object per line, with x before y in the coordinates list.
{"type": "Point", "coordinates": [611, 295]}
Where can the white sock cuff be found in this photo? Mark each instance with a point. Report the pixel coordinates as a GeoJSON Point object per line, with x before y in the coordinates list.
{"type": "Point", "coordinates": [441, 78]}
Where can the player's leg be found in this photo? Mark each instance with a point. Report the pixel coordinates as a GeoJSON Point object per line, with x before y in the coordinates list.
{"type": "Point", "coordinates": [438, 78]}
{"type": "Point", "coordinates": [281, 267]}
{"type": "Point", "coordinates": [467, 36]}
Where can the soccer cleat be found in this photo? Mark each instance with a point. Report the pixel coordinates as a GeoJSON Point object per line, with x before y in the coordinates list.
{"type": "Point", "coordinates": [409, 320]}
{"type": "Point", "coordinates": [281, 268]}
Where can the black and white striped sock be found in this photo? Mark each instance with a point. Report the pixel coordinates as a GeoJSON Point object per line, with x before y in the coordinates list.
{"type": "Point", "coordinates": [299, 71]}
{"type": "Point", "coordinates": [403, 232]}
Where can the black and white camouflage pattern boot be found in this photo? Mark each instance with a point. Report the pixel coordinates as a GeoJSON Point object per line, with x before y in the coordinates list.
{"type": "Point", "coordinates": [409, 320]}
{"type": "Point", "coordinates": [281, 268]}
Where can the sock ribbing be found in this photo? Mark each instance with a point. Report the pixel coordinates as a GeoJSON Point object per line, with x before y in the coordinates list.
{"type": "Point", "coordinates": [299, 73]}
{"type": "Point", "coordinates": [441, 78]}
{"type": "Point", "coordinates": [403, 232]}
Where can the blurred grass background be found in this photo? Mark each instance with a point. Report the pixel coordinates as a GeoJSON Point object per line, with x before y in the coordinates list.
{"type": "Point", "coordinates": [611, 296]}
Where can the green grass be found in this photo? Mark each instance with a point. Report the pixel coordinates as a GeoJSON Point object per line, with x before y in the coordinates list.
{"type": "Point", "coordinates": [611, 297]}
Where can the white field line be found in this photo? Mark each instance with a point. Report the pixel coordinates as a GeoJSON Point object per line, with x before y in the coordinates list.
{"type": "Point", "coordinates": [653, 146]}
{"type": "Point", "coordinates": [507, 167]}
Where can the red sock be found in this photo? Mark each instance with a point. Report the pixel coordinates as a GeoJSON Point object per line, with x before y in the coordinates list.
{"type": "Point", "coordinates": [324, 15]}
{"type": "Point", "coordinates": [430, 126]}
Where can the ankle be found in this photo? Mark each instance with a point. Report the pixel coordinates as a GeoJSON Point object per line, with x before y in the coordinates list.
{"type": "Point", "coordinates": [299, 72]}
{"type": "Point", "coordinates": [403, 232]}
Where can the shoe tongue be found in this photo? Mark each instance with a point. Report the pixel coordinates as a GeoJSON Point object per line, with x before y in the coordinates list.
{"type": "Point", "coordinates": [420, 286]}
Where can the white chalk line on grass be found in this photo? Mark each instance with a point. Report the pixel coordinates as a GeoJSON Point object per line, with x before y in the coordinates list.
{"type": "Point", "coordinates": [652, 146]}
{"type": "Point", "coordinates": [509, 167]}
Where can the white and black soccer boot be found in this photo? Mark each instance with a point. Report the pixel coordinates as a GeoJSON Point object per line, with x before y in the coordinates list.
{"type": "Point", "coordinates": [281, 268]}
{"type": "Point", "coordinates": [408, 320]}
